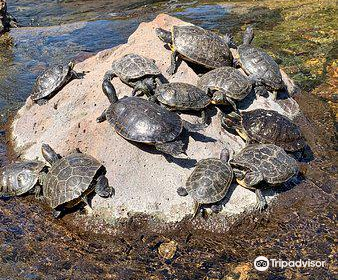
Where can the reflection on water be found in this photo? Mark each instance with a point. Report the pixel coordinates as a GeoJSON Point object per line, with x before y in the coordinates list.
{"type": "Point", "coordinates": [201, 15]}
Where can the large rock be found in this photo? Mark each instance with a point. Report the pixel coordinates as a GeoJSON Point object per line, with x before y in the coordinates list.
{"type": "Point", "coordinates": [145, 182]}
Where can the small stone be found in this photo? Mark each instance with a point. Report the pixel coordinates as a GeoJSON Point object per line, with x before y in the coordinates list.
{"type": "Point", "coordinates": [167, 250]}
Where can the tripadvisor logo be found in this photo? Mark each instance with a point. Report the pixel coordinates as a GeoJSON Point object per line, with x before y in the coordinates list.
{"type": "Point", "coordinates": [262, 263]}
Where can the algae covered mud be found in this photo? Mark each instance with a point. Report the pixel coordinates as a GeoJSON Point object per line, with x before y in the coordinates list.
{"type": "Point", "coordinates": [299, 225]}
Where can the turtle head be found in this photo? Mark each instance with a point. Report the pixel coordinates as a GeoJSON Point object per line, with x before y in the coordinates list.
{"type": "Point", "coordinates": [234, 121]}
{"type": "Point", "coordinates": [71, 65]}
{"type": "Point", "coordinates": [218, 98]}
{"type": "Point", "coordinates": [248, 35]}
{"type": "Point", "coordinates": [164, 35]}
{"type": "Point", "coordinates": [49, 154]}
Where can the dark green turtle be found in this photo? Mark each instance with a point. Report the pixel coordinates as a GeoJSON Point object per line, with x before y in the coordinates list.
{"type": "Point", "coordinates": [260, 67]}
{"type": "Point", "coordinates": [20, 177]}
{"type": "Point", "coordinates": [143, 121]}
{"type": "Point", "coordinates": [71, 179]}
{"type": "Point", "coordinates": [209, 182]}
{"type": "Point", "coordinates": [257, 164]}
{"type": "Point", "coordinates": [141, 73]}
{"type": "Point", "coordinates": [51, 81]}
{"type": "Point", "coordinates": [226, 84]}
{"type": "Point", "coordinates": [182, 97]}
{"type": "Point", "coordinates": [197, 45]}
{"type": "Point", "coordinates": [266, 127]}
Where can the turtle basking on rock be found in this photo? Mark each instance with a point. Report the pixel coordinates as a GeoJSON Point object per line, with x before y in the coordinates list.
{"type": "Point", "coordinates": [260, 67]}
{"type": "Point", "coordinates": [51, 81]}
{"type": "Point", "coordinates": [182, 97]}
{"type": "Point", "coordinates": [225, 85]}
{"type": "Point", "coordinates": [143, 121]}
{"type": "Point", "coordinates": [71, 179]}
{"type": "Point", "coordinates": [197, 45]}
{"type": "Point", "coordinates": [141, 73]}
{"type": "Point", "coordinates": [266, 127]}
{"type": "Point", "coordinates": [21, 177]}
{"type": "Point", "coordinates": [209, 182]}
{"type": "Point", "coordinates": [259, 166]}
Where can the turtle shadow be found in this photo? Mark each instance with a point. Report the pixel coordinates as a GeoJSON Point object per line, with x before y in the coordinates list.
{"type": "Point", "coordinates": [182, 162]}
{"type": "Point", "coordinates": [247, 101]}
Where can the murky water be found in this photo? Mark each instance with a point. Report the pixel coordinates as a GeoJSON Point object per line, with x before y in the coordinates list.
{"type": "Point", "coordinates": [301, 225]}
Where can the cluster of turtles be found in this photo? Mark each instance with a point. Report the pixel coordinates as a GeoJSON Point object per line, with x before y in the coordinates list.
{"type": "Point", "coordinates": [271, 138]}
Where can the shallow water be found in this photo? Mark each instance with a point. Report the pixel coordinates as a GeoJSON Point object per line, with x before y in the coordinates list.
{"type": "Point", "coordinates": [35, 246]}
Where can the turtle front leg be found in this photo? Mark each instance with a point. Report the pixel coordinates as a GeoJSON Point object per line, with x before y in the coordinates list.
{"type": "Point", "coordinates": [173, 148]}
{"type": "Point", "coordinates": [41, 102]}
{"type": "Point", "coordinates": [102, 117]}
{"type": "Point", "coordinates": [173, 64]}
{"type": "Point", "coordinates": [102, 187]}
{"type": "Point", "coordinates": [76, 75]}
{"type": "Point", "coordinates": [88, 210]}
{"type": "Point", "coordinates": [261, 201]}
{"type": "Point", "coordinates": [38, 192]}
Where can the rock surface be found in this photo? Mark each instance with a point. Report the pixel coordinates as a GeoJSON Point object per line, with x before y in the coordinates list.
{"type": "Point", "coordinates": [144, 181]}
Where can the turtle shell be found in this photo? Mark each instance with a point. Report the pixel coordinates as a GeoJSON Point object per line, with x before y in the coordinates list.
{"type": "Point", "coordinates": [201, 46]}
{"type": "Point", "coordinates": [50, 81]}
{"type": "Point", "coordinates": [270, 127]}
{"type": "Point", "coordinates": [258, 63]}
{"type": "Point", "coordinates": [210, 180]}
{"type": "Point", "coordinates": [273, 162]}
{"type": "Point", "coordinates": [140, 120]}
{"type": "Point", "coordinates": [69, 178]}
{"type": "Point", "coordinates": [19, 177]}
{"type": "Point", "coordinates": [133, 67]}
{"type": "Point", "coordinates": [182, 96]}
{"type": "Point", "coordinates": [228, 80]}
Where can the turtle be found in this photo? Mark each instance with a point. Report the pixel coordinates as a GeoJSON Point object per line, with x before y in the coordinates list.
{"type": "Point", "coordinates": [19, 178]}
{"type": "Point", "coordinates": [266, 127]}
{"type": "Point", "coordinates": [197, 45]}
{"type": "Point", "coordinates": [209, 182]}
{"type": "Point", "coordinates": [51, 81]}
{"type": "Point", "coordinates": [263, 163]}
{"type": "Point", "coordinates": [139, 72]}
{"type": "Point", "coordinates": [226, 84]}
{"type": "Point", "coordinates": [144, 121]}
{"type": "Point", "coordinates": [182, 97]}
{"type": "Point", "coordinates": [71, 179]}
{"type": "Point", "coordinates": [260, 67]}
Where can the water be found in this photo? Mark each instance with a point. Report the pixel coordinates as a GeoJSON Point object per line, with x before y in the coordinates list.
{"type": "Point", "coordinates": [36, 246]}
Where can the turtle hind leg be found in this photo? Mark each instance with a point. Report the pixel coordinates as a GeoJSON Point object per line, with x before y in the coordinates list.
{"type": "Point", "coordinates": [57, 213]}
{"type": "Point", "coordinates": [193, 127]}
{"type": "Point", "coordinates": [261, 201]}
{"type": "Point", "coordinates": [102, 187]}
{"type": "Point", "coordinates": [172, 148]}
